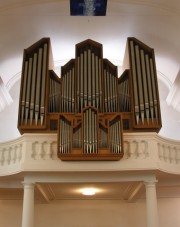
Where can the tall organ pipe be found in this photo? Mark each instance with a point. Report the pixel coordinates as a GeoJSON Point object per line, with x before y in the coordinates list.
{"type": "Point", "coordinates": [43, 84]}
{"type": "Point", "coordinates": [136, 102]}
{"type": "Point", "coordinates": [145, 88]}
{"type": "Point", "coordinates": [33, 90]}
{"type": "Point", "coordinates": [140, 90]}
{"type": "Point", "coordinates": [154, 88]}
{"type": "Point", "coordinates": [24, 92]}
{"type": "Point", "coordinates": [149, 86]}
{"type": "Point", "coordinates": [28, 89]}
{"type": "Point", "coordinates": [38, 85]}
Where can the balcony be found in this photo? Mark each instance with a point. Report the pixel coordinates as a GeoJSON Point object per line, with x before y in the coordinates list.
{"type": "Point", "coordinates": [38, 153]}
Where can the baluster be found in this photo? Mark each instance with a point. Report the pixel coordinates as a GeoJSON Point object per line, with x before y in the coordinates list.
{"type": "Point", "coordinates": [7, 156]}
{"type": "Point", "coordinates": [53, 150]}
{"type": "Point", "coordinates": [178, 155]}
{"type": "Point", "coordinates": [46, 153]}
{"type": "Point", "coordinates": [12, 155]}
{"type": "Point", "coordinates": [2, 156]}
{"type": "Point", "coordinates": [172, 154]}
{"type": "Point", "coordinates": [19, 153]}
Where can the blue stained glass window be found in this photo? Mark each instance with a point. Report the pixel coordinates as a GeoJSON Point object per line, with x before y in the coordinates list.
{"type": "Point", "coordinates": [88, 7]}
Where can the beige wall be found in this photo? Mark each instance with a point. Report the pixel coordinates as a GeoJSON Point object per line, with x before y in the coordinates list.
{"type": "Point", "coordinates": [98, 213]}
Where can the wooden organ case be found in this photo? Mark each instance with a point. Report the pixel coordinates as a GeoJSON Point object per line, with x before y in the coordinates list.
{"type": "Point", "coordinates": [89, 107]}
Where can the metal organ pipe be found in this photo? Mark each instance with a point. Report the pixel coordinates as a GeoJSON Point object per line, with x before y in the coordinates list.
{"type": "Point", "coordinates": [90, 127]}
{"type": "Point", "coordinates": [66, 92]}
{"type": "Point", "coordinates": [149, 86]}
{"type": "Point", "coordinates": [24, 92]}
{"type": "Point", "coordinates": [69, 75]}
{"type": "Point", "coordinates": [154, 88]}
{"type": "Point", "coordinates": [145, 87]}
{"type": "Point", "coordinates": [93, 81]}
{"type": "Point", "coordinates": [84, 132]}
{"type": "Point", "coordinates": [33, 90]}
{"type": "Point", "coordinates": [82, 82]}
{"type": "Point", "coordinates": [38, 84]}
{"type": "Point", "coordinates": [78, 81]}
{"type": "Point", "coordinates": [139, 79]}
{"type": "Point", "coordinates": [108, 90]}
{"type": "Point", "coordinates": [85, 79]}
{"type": "Point", "coordinates": [97, 82]}
{"type": "Point", "coordinates": [114, 90]}
{"type": "Point", "coordinates": [62, 95]}
{"type": "Point", "coordinates": [105, 91]}
{"type": "Point", "coordinates": [136, 101]}
{"type": "Point", "coordinates": [87, 131]}
{"type": "Point", "coordinates": [89, 75]}
{"type": "Point", "coordinates": [100, 85]}
{"type": "Point", "coordinates": [43, 84]}
{"type": "Point", "coordinates": [72, 87]}
{"type": "Point", "coordinates": [50, 95]}
{"type": "Point", "coordinates": [93, 132]}
{"type": "Point", "coordinates": [28, 90]}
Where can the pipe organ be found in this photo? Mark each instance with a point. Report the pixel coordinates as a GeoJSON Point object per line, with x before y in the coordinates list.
{"type": "Point", "coordinates": [89, 106]}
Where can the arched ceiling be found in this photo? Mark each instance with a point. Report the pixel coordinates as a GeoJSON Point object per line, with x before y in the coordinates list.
{"type": "Point", "coordinates": [155, 23]}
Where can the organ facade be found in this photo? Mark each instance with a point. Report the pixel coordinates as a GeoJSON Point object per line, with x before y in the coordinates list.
{"type": "Point", "coordinates": [89, 106]}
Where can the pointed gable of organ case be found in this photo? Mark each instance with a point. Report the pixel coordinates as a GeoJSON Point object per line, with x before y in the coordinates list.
{"type": "Point", "coordinates": [89, 106]}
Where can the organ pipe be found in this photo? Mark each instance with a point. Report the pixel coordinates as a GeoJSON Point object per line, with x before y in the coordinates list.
{"type": "Point", "coordinates": [28, 89]}
{"type": "Point", "coordinates": [24, 92]}
{"type": "Point", "coordinates": [33, 90]}
{"type": "Point", "coordinates": [153, 88]}
{"type": "Point", "coordinates": [134, 77]}
{"type": "Point", "coordinates": [139, 80]}
{"type": "Point", "coordinates": [38, 85]}
{"type": "Point", "coordinates": [149, 87]}
{"type": "Point", "coordinates": [145, 87]}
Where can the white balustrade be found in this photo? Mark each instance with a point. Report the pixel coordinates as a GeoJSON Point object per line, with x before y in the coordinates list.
{"type": "Point", "coordinates": [169, 152]}
{"type": "Point", "coordinates": [33, 152]}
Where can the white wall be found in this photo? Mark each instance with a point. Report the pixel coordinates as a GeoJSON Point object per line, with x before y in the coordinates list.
{"type": "Point", "coordinates": [75, 213]}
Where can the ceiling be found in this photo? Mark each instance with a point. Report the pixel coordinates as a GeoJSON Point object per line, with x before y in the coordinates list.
{"type": "Point", "coordinates": [123, 191]}
{"type": "Point", "coordinates": [156, 23]}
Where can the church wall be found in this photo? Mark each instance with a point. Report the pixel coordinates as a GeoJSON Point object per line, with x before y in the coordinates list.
{"type": "Point", "coordinates": [89, 213]}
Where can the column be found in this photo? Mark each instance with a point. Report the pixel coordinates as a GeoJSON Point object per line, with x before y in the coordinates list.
{"type": "Point", "coordinates": [28, 205]}
{"type": "Point", "coordinates": [151, 204]}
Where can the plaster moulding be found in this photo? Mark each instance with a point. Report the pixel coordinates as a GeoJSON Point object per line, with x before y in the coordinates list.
{"type": "Point", "coordinates": [5, 97]}
{"type": "Point", "coordinates": [173, 98]}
